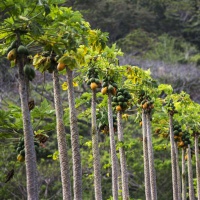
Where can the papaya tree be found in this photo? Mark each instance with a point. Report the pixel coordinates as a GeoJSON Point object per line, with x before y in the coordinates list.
{"type": "Point", "coordinates": [98, 41]}
{"type": "Point", "coordinates": [73, 32]}
{"type": "Point", "coordinates": [95, 135]}
{"type": "Point", "coordinates": [109, 87]}
{"type": "Point", "coordinates": [142, 85]}
{"type": "Point", "coordinates": [171, 111]}
{"type": "Point", "coordinates": [190, 111]}
{"type": "Point", "coordinates": [19, 25]}
{"type": "Point", "coordinates": [183, 178]}
{"type": "Point", "coordinates": [121, 102]}
{"type": "Point", "coordinates": [61, 137]}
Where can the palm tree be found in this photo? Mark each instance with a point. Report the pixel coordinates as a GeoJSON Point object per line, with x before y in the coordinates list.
{"type": "Point", "coordinates": [61, 137]}
{"type": "Point", "coordinates": [124, 173]}
{"type": "Point", "coordinates": [76, 156]}
{"type": "Point", "coordinates": [95, 150]}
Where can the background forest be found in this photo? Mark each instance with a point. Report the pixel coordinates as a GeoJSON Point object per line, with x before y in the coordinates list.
{"type": "Point", "coordinates": [162, 36]}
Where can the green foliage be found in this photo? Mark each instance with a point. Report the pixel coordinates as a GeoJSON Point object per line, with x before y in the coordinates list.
{"type": "Point", "coordinates": [70, 37]}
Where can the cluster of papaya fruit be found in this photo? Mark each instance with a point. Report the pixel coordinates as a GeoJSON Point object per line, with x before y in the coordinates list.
{"type": "Point", "coordinates": [147, 104]}
{"type": "Point", "coordinates": [181, 137]}
{"type": "Point", "coordinates": [93, 78]}
{"type": "Point", "coordinates": [47, 61]}
{"type": "Point", "coordinates": [21, 151]}
{"type": "Point", "coordinates": [170, 107]}
{"type": "Point", "coordinates": [104, 128]}
{"type": "Point", "coordinates": [16, 49]}
{"type": "Point", "coordinates": [29, 72]}
{"type": "Point", "coordinates": [109, 86]}
{"type": "Point", "coordinates": [122, 99]}
{"type": "Point", "coordinates": [41, 137]}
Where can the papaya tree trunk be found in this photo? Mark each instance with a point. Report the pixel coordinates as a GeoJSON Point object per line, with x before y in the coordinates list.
{"type": "Point", "coordinates": [173, 159]}
{"type": "Point", "coordinates": [113, 150]}
{"type": "Point", "coordinates": [151, 159]}
{"type": "Point", "coordinates": [61, 137]}
{"type": "Point", "coordinates": [95, 150]}
{"type": "Point", "coordinates": [190, 174]}
{"type": "Point", "coordinates": [178, 171]}
{"type": "Point", "coordinates": [76, 156]}
{"type": "Point", "coordinates": [196, 139]}
{"type": "Point", "coordinates": [124, 173]}
{"type": "Point", "coordinates": [146, 158]}
{"type": "Point", "coordinates": [30, 154]}
{"type": "Point", "coordinates": [184, 189]}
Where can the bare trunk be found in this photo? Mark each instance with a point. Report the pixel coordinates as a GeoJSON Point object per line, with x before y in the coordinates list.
{"type": "Point", "coordinates": [184, 189]}
{"type": "Point", "coordinates": [196, 138]}
{"type": "Point", "coordinates": [62, 143]}
{"type": "Point", "coordinates": [76, 156]}
{"type": "Point", "coordinates": [190, 175]}
{"type": "Point", "coordinates": [95, 150]}
{"type": "Point", "coordinates": [30, 154]}
{"type": "Point", "coordinates": [124, 173]}
{"type": "Point", "coordinates": [151, 159]}
{"type": "Point", "coordinates": [178, 172]}
{"type": "Point", "coordinates": [173, 160]}
{"type": "Point", "coordinates": [146, 158]}
{"type": "Point", "coordinates": [113, 151]}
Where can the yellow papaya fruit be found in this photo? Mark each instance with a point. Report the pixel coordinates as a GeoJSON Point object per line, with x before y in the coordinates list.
{"type": "Point", "coordinates": [12, 54]}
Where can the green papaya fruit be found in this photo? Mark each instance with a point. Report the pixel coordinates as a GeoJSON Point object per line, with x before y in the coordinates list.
{"type": "Point", "coordinates": [22, 50]}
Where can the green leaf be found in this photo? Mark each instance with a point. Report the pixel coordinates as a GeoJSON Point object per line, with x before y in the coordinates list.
{"type": "Point", "coordinates": [165, 88]}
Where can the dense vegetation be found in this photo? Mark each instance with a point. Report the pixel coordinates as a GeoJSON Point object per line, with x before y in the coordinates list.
{"type": "Point", "coordinates": [111, 119]}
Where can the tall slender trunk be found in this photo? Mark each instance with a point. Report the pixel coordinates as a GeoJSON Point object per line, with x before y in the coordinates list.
{"type": "Point", "coordinates": [113, 150]}
{"type": "Point", "coordinates": [190, 175]}
{"type": "Point", "coordinates": [196, 139]}
{"type": "Point", "coordinates": [178, 171]}
{"type": "Point", "coordinates": [173, 159]}
{"type": "Point", "coordinates": [61, 137]}
{"type": "Point", "coordinates": [151, 159]}
{"type": "Point", "coordinates": [124, 173]}
{"type": "Point", "coordinates": [30, 154]}
{"type": "Point", "coordinates": [146, 158]}
{"type": "Point", "coordinates": [95, 150]}
{"type": "Point", "coordinates": [76, 156]}
{"type": "Point", "coordinates": [184, 189]}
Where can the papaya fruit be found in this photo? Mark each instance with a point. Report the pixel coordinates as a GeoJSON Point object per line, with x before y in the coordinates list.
{"type": "Point", "coordinates": [105, 84]}
{"type": "Point", "coordinates": [22, 50]}
{"type": "Point", "coordinates": [22, 152]}
{"type": "Point", "coordinates": [120, 98]}
{"type": "Point", "coordinates": [61, 66]}
{"type": "Point", "coordinates": [110, 88]}
{"type": "Point", "coordinates": [20, 158]}
{"type": "Point", "coordinates": [114, 91]}
{"type": "Point", "coordinates": [93, 86]}
{"type": "Point", "coordinates": [145, 105]}
{"type": "Point", "coordinates": [12, 54]}
{"type": "Point", "coordinates": [118, 108]}
{"type": "Point", "coordinates": [29, 72]}
{"type": "Point", "coordinates": [104, 90]}
{"type": "Point", "coordinates": [19, 149]}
